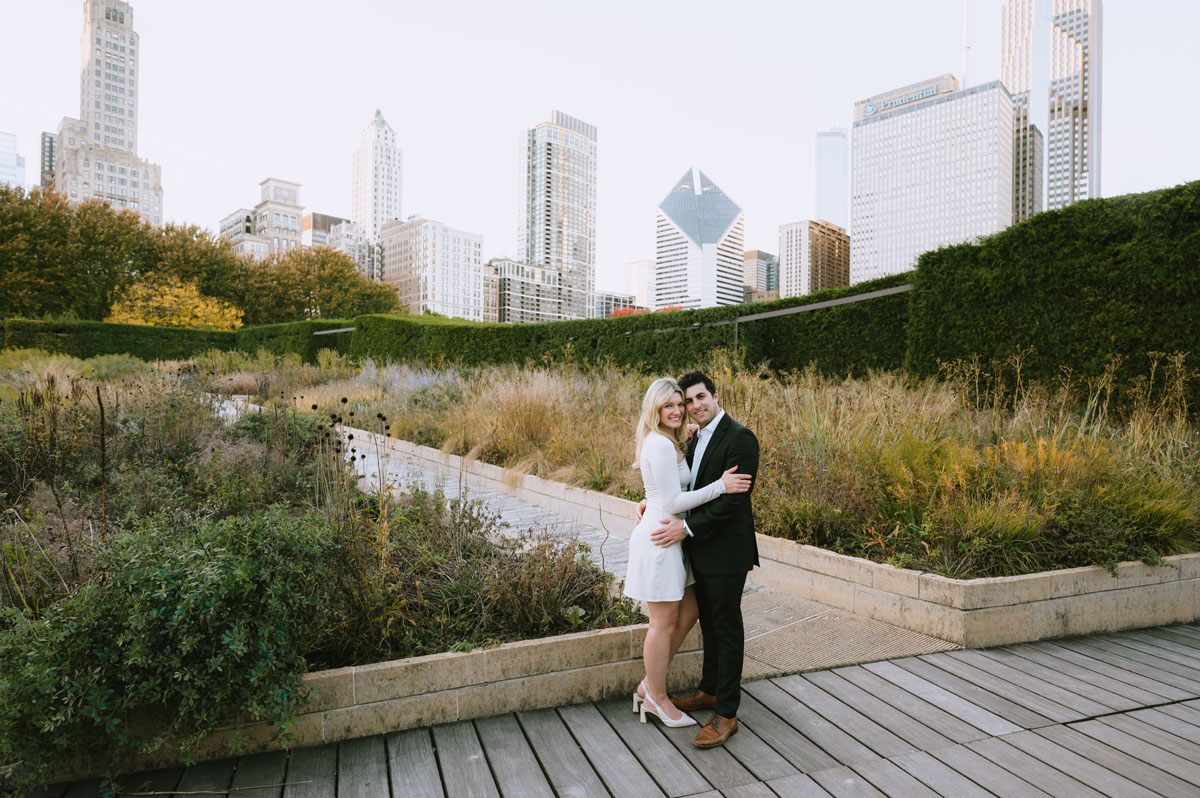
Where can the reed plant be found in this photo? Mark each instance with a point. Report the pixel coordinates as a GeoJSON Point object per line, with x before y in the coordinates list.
{"type": "Point", "coordinates": [979, 472]}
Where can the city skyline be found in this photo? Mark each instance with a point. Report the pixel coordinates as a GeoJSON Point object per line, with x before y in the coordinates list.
{"type": "Point", "coordinates": [456, 117]}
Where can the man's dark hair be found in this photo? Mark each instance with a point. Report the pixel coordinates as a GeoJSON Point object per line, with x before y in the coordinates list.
{"type": "Point", "coordinates": [695, 378]}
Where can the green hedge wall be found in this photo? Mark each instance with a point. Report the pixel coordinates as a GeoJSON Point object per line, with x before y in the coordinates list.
{"type": "Point", "coordinates": [86, 339]}
{"type": "Point", "coordinates": [295, 337]}
{"type": "Point", "coordinates": [1103, 277]}
{"type": "Point", "coordinates": [849, 338]}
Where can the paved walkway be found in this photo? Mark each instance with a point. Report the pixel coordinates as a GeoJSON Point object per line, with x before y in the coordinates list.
{"type": "Point", "coordinates": [1106, 715]}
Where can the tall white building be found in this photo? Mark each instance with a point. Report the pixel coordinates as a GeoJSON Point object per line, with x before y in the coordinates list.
{"type": "Point", "coordinates": [375, 189]}
{"type": "Point", "coordinates": [832, 196]}
{"type": "Point", "coordinates": [12, 165]}
{"type": "Point", "coordinates": [813, 256]}
{"type": "Point", "coordinates": [556, 225]}
{"type": "Point", "coordinates": [96, 153]}
{"type": "Point", "coordinates": [518, 293]}
{"type": "Point", "coordinates": [699, 237]}
{"type": "Point", "coordinates": [435, 268]}
{"type": "Point", "coordinates": [637, 280]}
{"type": "Point", "coordinates": [1050, 60]}
{"type": "Point", "coordinates": [351, 239]}
{"type": "Point", "coordinates": [932, 166]}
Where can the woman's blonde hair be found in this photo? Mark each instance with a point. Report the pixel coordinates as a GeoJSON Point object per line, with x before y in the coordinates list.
{"type": "Point", "coordinates": [657, 396]}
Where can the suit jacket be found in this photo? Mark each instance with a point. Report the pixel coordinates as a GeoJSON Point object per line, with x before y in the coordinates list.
{"type": "Point", "coordinates": [722, 539]}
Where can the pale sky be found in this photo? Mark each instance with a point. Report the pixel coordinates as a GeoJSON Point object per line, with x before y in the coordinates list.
{"type": "Point", "coordinates": [233, 92]}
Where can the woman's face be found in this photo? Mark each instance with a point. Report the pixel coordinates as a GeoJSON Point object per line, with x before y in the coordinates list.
{"type": "Point", "coordinates": [671, 414]}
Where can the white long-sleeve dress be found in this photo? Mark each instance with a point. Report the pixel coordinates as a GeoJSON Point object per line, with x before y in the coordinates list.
{"type": "Point", "coordinates": [657, 573]}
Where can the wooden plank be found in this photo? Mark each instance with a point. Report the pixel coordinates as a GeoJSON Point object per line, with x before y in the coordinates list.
{"type": "Point", "coordinates": [972, 713]}
{"type": "Point", "coordinates": [1046, 676]}
{"type": "Point", "coordinates": [909, 729]}
{"type": "Point", "coordinates": [674, 774]}
{"type": "Point", "coordinates": [312, 772]}
{"type": "Point", "coordinates": [1175, 635]}
{"type": "Point", "coordinates": [793, 746]}
{"type": "Point", "coordinates": [892, 781]}
{"type": "Point", "coordinates": [840, 714]}
{"type": "Point", "coordinates": [987, 774]}
{"type": "Point", "coordinates": [162, 780]}
{"type": "Point", "coordinates": [1151, 664]}
{"type": "Point", "coordinates": [754, 754]}
{"type": "Point", "coordinates": [1021, 716]}
{"type": "Point", "coordinates": [1031, 769]}
{"type": "Point", "coordinates": [1118, 667]}
{"type": "Point", "coordinates": [845, 782]}
{"type": "Point", "coordinates": [1183, 712]}
{"type": "Point", "coordinates": [1131, 768]}
{"type": "Point", "coordinates": [412, 764]}
{"type": "Point", "coordinates": [1104, 676]}
{"type": "Point", "coordinates": [463, 765]}
{"type": "Point", "coordinates": [939, 776]}
{"type": "Point", "coordinates": [1183, 629]}
{"type": "Point", "coordinates": [514, 766]}
{"type": "Point", "coordinates": [830, 738]}
{"type": "Point", "coordinates": [1018, 695]}
{"type": "Point", "coordinates": [87, 788]}
{"type": "Point", "coordinates": [1133, 754]}
{"type": "Point", "coordinates": [616, 765]}
{"type": "Point", "coordinates": [756, 790]}
{"type": "Point", "coordinates": [1161, 730]}
{"type": "Point", "coordinates": [1076, 765]}
{"type": "Point", "coordinates": [1184, 655]}
{"type": "Point", "coordinates": [564, 764]}
{"type": "Point", "coordinates": [256, 771]}
{"type": "Point", "coordinates": [716, 765]}
{"type": "Point", "coordinates": [926, 713]}
{"type": "Point", "coordinates": [53, 790]}
{"type": "Point", "coordinates": [207, 776]}
{"type": "Point", "coordinates": [801, 786]}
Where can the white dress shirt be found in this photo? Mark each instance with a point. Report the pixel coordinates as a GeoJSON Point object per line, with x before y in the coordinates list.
{"type": "Point", "coordinates": [703, 436]}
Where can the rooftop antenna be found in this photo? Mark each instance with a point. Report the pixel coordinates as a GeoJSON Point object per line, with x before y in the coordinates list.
{"type": "Point", "coordinates": [966, 45]}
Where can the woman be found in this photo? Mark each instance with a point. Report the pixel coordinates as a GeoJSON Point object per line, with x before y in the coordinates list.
{"type": "Point", "coordinates": [657, 576]}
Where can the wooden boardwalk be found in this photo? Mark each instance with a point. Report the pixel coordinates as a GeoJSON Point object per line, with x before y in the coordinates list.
{"type": "Point", "coordinates": [1115, 714]}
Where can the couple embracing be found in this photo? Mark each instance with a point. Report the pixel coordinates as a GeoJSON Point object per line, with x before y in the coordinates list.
{"type": "Point", "coordinates": [692, 548]}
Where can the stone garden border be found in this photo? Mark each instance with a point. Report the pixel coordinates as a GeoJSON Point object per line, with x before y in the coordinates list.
{"type": "Point", "coordinates": [973, 613]}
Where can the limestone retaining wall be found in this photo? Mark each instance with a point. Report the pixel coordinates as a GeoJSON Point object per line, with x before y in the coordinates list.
{"type": "Point", "coordinates": [973, 613]}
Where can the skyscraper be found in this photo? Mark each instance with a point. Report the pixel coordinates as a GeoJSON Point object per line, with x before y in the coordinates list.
{"type": "Point", "coordinates": [1050, 57]}
{"type": "Point", "coordinates": [637, 280]}
{"type": "Point", "coordinates": [698, 261]}
{"type": "Point", "coordinates": [813, 256]}
{"type": "Point", "coordinates": [96, 154]}
{"type": "Point", "coordinates": [49, 146]}
{"type": "Point", "coordinates": [378, 162]}
{"type": "Point", "coordinates": [760, 270]}
{"type": "Point", "coordinates": [12, 165]}
{"type": "Point", "coordinates": [556, 225]}
{"type": "Point", "coordinates": [832, 200]}
{"type": "Point", "coordinates": [932, 166]}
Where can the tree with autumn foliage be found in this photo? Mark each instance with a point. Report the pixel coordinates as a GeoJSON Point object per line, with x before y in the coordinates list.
{"type": "Point", "coordinates": [166, 301]}
{"type": "Point", "coordinates": [318, 283]}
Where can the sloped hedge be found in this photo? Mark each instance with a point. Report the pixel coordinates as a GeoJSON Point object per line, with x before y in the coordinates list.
{"type": "Point", "coordinates": [845, 339]}
{"type": "Point", "coordinates": [296, 337]}
{"type": "Point", "coordinates": [1106, 277]}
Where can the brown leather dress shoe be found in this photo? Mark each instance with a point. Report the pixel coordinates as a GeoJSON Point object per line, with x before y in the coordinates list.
{"type": "Point", "coordinates": [695, 701]}
{"type": "Point", "coordinates": [715, 732]}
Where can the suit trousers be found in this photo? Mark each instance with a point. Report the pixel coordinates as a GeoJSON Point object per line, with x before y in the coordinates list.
{"type": "Point", "coordinates": [719, 599]}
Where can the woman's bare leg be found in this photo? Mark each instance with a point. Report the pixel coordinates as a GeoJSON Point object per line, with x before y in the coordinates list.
{"type": "Point", "coordinates": [656, 651]}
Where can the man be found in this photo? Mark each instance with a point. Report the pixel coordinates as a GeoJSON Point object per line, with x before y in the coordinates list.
{"type": "Point", "coordinates": [718, 539]}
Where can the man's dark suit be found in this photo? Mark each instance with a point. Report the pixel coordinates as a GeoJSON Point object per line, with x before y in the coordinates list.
{"type": "Point", "coordinates": [722, 550]}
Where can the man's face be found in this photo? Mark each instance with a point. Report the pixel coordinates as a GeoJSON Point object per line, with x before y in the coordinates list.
{"type": "Point", "coordinates": [701, 405]}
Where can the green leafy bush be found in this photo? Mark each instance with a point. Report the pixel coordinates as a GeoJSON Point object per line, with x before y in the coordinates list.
{"type": "Point", "coordinates": [198, 623]}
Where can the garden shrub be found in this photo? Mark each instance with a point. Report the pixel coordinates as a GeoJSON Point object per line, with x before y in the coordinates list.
{"type": "Point", "coordinates": [198, 623]}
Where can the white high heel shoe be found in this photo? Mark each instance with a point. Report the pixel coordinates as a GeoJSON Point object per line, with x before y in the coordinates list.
{"type": "Point", "coordinates": [638, 697]}
{"type": "Point", "coordinates": [649, 705]}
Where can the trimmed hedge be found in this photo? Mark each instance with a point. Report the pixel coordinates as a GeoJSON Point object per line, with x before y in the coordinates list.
{"type": "Point", "coordinates": [295, 337]}
{"type": "Point", "coordinates": [1106, 277]}
{"type": "Point", "coordinates": [84, 339]}
{"type": "Point", "coordinates": [846, 339]}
